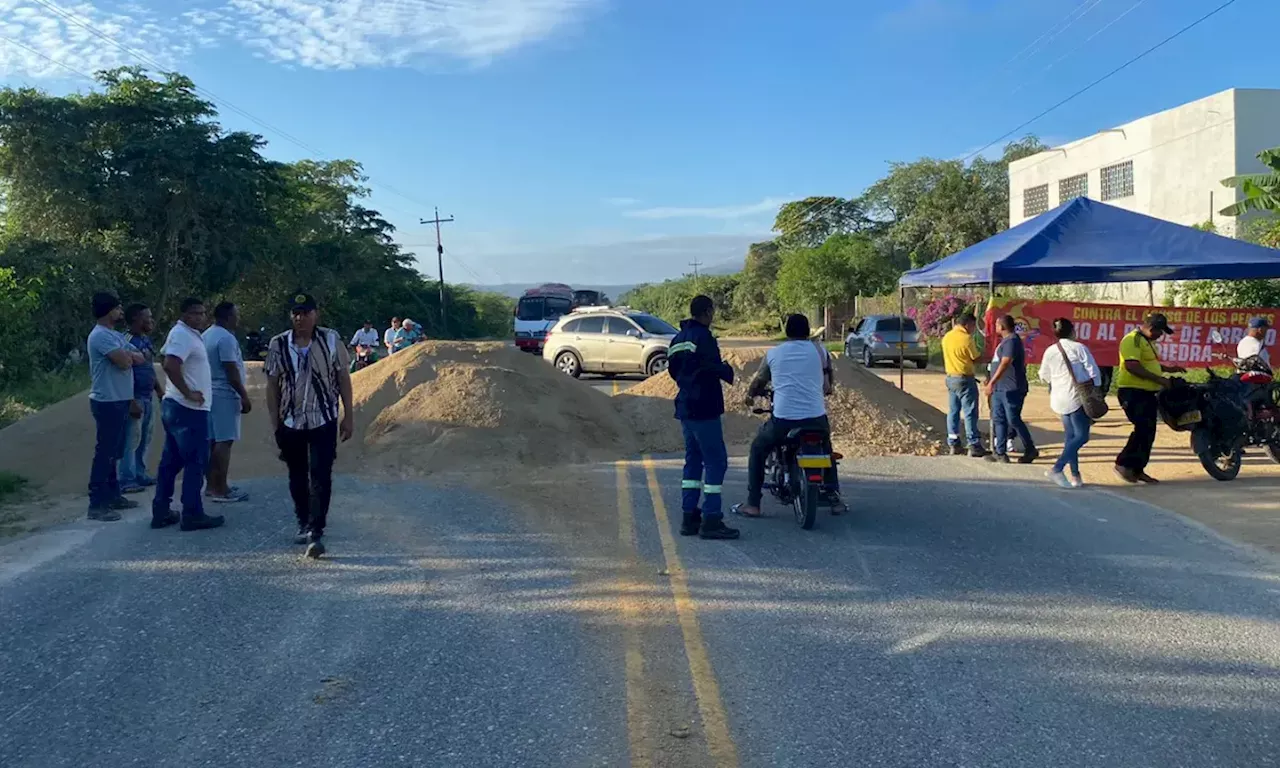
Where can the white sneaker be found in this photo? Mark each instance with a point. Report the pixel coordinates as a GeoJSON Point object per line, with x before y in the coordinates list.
{"type": "Point", "coordinates": [1076, 481]}
{"type": "Point", "coordinates": [1059, 478]}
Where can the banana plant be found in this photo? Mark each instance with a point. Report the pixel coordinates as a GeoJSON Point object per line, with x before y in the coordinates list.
{"type": "Point", "coordinates": [1261, 190]}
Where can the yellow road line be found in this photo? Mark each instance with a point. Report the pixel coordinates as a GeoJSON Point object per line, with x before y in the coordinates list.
{"type": "Point", "coordinates": [615, 386]}
{"type": "Point", "coordinates": [637, 701]}
{"type": "Point", "coordinates": [715, 721]}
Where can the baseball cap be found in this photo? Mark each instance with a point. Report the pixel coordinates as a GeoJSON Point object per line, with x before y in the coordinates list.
{"type": "Point", "coordinates": [1158, 322]}
{"type": "Point", "coordinates": [1259, 322]}
{"type": "Point", "coordinates": [302, 302]}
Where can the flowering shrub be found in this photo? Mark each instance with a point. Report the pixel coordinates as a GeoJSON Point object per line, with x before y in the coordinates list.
{"type": "Point", "coordinates": [935, 319]}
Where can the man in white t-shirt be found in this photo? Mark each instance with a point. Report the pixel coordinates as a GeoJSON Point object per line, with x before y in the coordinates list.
{"type": "Point", "coordinates": [188, 395]}
{"type": "Point", "coordinates": [366, 336]}
{"type": "Point", "coordinates": [389, 336]}
{"type": "Point", "coordinates": [1255, 340]}
{"type": "Point", "coordinates": [799, 370]}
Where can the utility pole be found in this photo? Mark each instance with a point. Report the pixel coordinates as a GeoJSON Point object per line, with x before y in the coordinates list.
{"type": "Point", "coordinates": [695, 264]}
{"type": "Point", "coordinates": [439, 263]}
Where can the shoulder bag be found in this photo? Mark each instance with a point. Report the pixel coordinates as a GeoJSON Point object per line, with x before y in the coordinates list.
{"type": "Point", "coordinates": [1092, 398]}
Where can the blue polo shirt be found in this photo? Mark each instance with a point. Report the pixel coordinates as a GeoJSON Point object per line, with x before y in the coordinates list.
{"type": "Point", "coordinates": [144, 374]}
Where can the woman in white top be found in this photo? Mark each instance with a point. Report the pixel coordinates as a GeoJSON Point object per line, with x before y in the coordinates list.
{"type": "Point", "coordinates": [1062, 365]}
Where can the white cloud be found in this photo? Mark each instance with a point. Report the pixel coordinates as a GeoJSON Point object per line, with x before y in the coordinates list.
{"type": "Point", "coordinates": [317, 34]}
{"type": "Point", "coordinates": [769, 205]}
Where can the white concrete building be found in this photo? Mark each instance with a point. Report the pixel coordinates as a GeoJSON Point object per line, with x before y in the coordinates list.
{"type": "Point", "coordinates": [1169, 165]}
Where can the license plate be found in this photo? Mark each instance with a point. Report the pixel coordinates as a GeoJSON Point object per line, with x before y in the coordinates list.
{"type": "Point", "coordinates": [813, 462]}
{"type": "Point", "coordinates": [1190, 417]}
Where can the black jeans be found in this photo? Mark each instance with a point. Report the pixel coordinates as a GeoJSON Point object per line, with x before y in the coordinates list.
{"type": "Point", "coordinates": [770, 435]}
{"type": "Point", "coordinates": [1143, 412]}
{"type": "Point", "coordinates": [310, 453]}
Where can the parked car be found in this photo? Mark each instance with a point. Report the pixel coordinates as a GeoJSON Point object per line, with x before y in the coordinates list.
{"type": "Point", "coordinates": [609, 341]}
{"type": "Point", "coordinates": [885, 338]}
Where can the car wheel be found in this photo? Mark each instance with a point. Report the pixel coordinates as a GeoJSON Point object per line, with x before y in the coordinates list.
{"type": "Point", "coordinates": [568, 363]}
{"type": "Point", "coordinates": [922, 364]}
{"type": "Point", "coordinates": [867, 359]}
{"type": "Point", "coordinates": [657, 364]}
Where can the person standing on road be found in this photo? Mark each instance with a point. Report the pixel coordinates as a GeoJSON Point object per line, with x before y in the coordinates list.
{"type": "Point", "coordinates": [389, 336]}
{"type": "Point", "coordinates": [1007, 391]}
{"type": "Point", "coordinates": [959, 353]}
{"type": "Point", "coordinates": [1139, 379]}
{"type": "Point", "coordinates": [1254, 342]}
{"type": "Point", "coordinates": [307, 374]}
{"type": "Point", "coordinates": [693, 360]}
{"type": "Point", "coordinates": [146, 389]}
{"type": "Point", "coordinates": [799, 370]}
{"type": "Point", "coordinates": [1062, 366]}
{"type": "Point", "coordinates": [184, 411]}
{"type": "Point", "coordinates": [230, 401]}
{"type": "Point", "coordinates": [111, 362]}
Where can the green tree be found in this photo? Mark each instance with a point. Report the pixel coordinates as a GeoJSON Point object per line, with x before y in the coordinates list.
{"type": "Point", "coordinates": [1261, 190]}
{"type": "Point", "coordinates": [756, 295]}
{"type": "Point", "coordinates": [809, 222]}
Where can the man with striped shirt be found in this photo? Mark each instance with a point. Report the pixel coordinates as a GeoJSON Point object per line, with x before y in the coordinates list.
{"type": "Point", "coordinates": [307, 374]}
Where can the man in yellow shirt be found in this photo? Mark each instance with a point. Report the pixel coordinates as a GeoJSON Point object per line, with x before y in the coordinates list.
{"type": "Point", "coordinates": [1138, 379]}
{"type": "Point", "coordinates": [959, 353]}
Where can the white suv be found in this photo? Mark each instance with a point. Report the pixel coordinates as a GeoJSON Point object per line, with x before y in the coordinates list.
{"type": "Point", "coordinates": [608, 340]}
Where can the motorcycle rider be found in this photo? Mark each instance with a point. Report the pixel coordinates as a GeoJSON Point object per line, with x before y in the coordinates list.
{"type": "Point", "coordinates": [693, 360]}
{"type": "Point", "coordinates": [1254, 342]}
{"type": "Point", "coordinates": [799, 370]}
{"type": "Point", "coordinates": [366, 336]}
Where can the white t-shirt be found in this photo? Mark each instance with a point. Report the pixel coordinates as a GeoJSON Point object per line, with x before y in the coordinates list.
{"type": "Point", "coordinates": [1063, 398]}
{"type": "Point", "coordinates": [795, 367]}
{"type": "Point", "coordinates": [1249, 346]}
{"type": "Point", "coordinates": [186, 344]}
{"type": "Point", "coordinates": [367, 337]}
{"type": "Point", "coordinates": [389, 336]}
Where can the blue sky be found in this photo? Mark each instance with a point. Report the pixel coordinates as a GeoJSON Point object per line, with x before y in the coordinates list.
{"type": "Point", "coordinates": [613, 141]}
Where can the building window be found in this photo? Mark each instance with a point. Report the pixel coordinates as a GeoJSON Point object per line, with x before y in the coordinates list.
{"type": "Point", "coordinates": [1117, 181]}
{"type": "Point", "coordinates": [1035, 200]}
{"type": "Point", "coordinates": [1072, 187]}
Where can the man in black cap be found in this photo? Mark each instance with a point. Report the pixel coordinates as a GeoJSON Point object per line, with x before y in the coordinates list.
{"type": "Point", "coordinates": [307, 374]}
{"type": "Point", "coordinates": [1139, 378]}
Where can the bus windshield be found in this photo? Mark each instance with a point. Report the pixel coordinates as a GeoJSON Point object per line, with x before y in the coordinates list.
{"type": "Point", "coordinates": [533, 308]}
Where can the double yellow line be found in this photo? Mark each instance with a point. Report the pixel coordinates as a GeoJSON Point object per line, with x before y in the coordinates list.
{"type": "Point", "coordinates": [706, 689]}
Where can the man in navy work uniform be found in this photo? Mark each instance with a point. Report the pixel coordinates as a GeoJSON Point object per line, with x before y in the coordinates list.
{"type": "Point", "coordinates": [694, 362]}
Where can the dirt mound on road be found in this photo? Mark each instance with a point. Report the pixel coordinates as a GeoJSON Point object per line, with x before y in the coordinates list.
{"type": "Point", "coordinates": [866, 418]}
{"type": "Point", "coordinates": [441, 406]}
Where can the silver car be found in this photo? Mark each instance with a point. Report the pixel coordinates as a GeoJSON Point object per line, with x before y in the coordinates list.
{"type": "Point", "coordinates": [609, 341]}
{"type": "Point", "coordinates": [885, 338]}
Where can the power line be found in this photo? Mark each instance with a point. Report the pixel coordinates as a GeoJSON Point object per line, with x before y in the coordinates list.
{"type": "Point", "coordinates": [1087, 40]}
{"type": "Point", "coordinates": [44, 56]}
{"type": "Point", "coordinates": [1037, 48]}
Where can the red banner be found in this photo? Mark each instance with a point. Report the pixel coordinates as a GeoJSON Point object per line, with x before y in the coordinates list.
{"type": "Point", "coordinates": [1102, 326]}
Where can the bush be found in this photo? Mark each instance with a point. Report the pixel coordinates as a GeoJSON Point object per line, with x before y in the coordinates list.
{"type": "Point", "coordinates": [935, 319]}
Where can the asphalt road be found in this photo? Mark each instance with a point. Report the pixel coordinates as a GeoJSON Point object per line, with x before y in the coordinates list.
{"type": "Point", "coordinates": [961, 615]}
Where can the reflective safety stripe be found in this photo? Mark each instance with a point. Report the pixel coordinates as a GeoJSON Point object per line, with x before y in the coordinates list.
{"type": "Point", "coordinates": [711, 489]}
{"type": "Point", "coordinates": [684, 346]}
{"type": "Point", "coordinates": [687, 484]}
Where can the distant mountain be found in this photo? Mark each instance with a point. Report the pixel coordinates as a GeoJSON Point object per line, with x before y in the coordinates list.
{"type": "Point", "coordinates": [516, 290]}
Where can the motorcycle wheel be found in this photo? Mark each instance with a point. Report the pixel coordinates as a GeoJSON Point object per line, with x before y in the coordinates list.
{"type": "Point", "coordinates": [1221, 465]}
{"type": "Point", "coordinates": [805, 499]}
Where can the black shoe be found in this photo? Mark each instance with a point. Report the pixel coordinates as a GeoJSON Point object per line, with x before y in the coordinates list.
{"type": "Point", "coordinates": [977, 452]}
{"type": "Point", "coordinates": [122, 503]}
{"type": "Point", "coordinates": [957, 450]}
{"type": "Point", "coordinates": [716, 529]}
{"type": "Point", "coordinates": [303, 533]}
{"type": "Point", "coordinates": [692, 523]}
{"type": "Point", "coordinates": [1029, 456]}
{"type": "Point", "coordinates": [315, 546]}
{"type": "Point", "coordinates": [103, 514]}
{"type": "Point", "coordinates": [165, 521]}
{"type": "Point", "coordinates": [1001, 458]}
{"type": "Point", "coordinates": [201, 523]}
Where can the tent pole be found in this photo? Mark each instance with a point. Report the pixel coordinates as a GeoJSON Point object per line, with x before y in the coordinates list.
{"type": "Point", "coordinates": [902, 313]}
{"type": "Point", "coordinates": [1151, 294]}
{"type": "Point", "coordinates": [988, 352]}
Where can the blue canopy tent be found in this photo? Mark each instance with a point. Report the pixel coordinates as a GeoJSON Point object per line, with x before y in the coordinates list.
{"type": "Point", "coordinates": [1084, 241]}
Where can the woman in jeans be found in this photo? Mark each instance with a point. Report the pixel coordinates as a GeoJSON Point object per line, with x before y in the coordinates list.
{"type": "Point", "coordinates": [1063, 365]}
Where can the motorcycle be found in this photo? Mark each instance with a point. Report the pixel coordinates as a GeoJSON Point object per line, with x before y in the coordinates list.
{"type": "Point", "coordinates": [1227, 414]}
{"type": "Point", "coordinates": [364, 357]}
{"type": "Point", "coordinates": [256, 342]}
{"type": "Point", "coordinates": [796, 472]}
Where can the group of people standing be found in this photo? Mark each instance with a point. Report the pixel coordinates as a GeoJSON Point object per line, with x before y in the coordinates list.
{"type": "Point", "coordinates": [202, 399]}
{"type": "Point", "coordinates": [401, 335]}
{"type": "Point", "coordinates": [1069, 368]}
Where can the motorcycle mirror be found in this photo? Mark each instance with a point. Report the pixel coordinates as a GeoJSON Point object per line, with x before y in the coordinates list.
{"type": "Point", "coordinates": [1215, 336]}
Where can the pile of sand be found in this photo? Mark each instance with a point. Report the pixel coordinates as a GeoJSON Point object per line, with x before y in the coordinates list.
{"type": "Point", "coordinates": [866, 420]}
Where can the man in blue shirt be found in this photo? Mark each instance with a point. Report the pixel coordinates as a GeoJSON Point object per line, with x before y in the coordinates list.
{"type": "Point", "coordinates": [1007, 390]}
{"type": "Point", "coordinates": [146, 388]}
{"type": "Point", "coordinates": [111, 362]}
{"type": "Point", "coordinates": [693, 360]}
{"type": "Point", "coordinates": [230, 400]}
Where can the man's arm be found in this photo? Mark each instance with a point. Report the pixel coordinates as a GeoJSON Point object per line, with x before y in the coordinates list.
{"type": "Point", "coordinates": [273, 401]}
{"type": "Point", "coordinates": [173, 369]}
{"type": "Point", "coordinates": [347, 427]}
{"type": "Point", "coordinates": [237, 383]}
{"type": "Point", "coordinates": [1135, 367]}
{"type": "Point", "coordinates": [761, 381]}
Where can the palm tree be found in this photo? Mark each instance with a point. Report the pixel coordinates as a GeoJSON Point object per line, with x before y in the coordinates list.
{"type": "Point", "coordinates": [1261, 190]}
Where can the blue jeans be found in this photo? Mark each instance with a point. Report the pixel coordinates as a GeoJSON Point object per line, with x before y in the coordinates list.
{"type": "Point", "coordinates": [1006, 414]}
{"type": "Point", "coordinates": [1075, 426]}
{"type": "Point", "coordinates": [133, 464]}
{"type": "Point", "coordinates": [704, 452]}
{"type": "Point", "coordinates": [962, 396]}
{"type": "Point", "coordinates": [186, 450]}
{"type": "Point", "coordinates": [111, 419]}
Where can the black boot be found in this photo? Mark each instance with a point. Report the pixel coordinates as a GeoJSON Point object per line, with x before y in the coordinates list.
{"type": "Point", "coordinates": [692, 523]}
{"type": "Point", "coordinates": [200, 522]}
{"type": "Point", "coordinates": [716, 529]}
